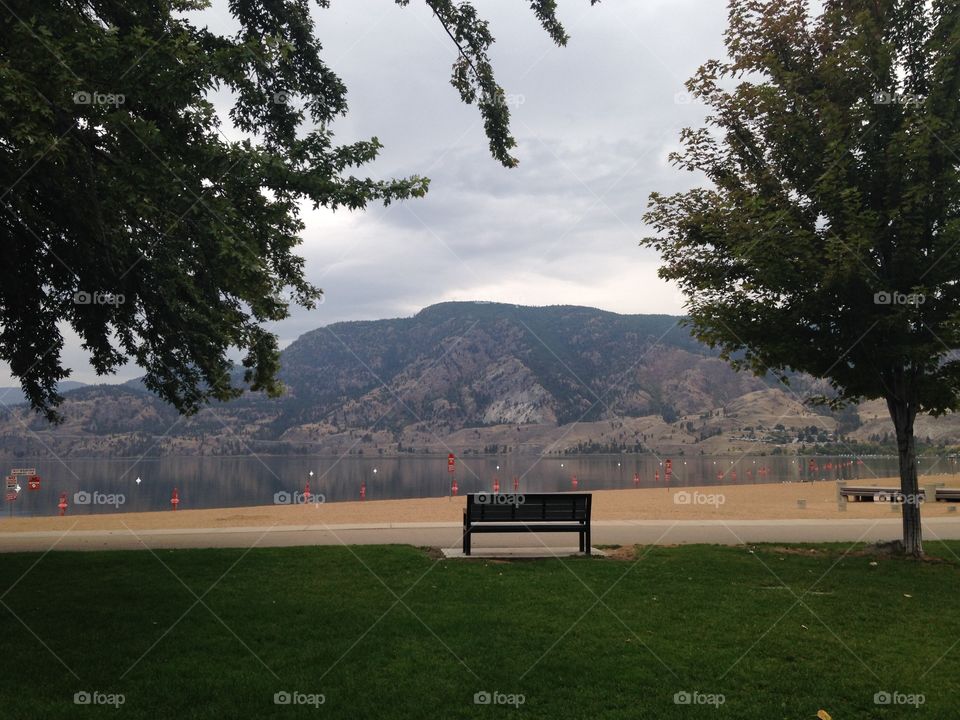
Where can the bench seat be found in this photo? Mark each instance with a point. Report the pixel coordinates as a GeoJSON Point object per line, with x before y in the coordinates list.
{"type": "Point", "coordinates": [527, 512]}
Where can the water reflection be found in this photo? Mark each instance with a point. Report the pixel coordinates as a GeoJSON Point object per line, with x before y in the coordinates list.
{"type": "Point", "coordinates": [111, 485]}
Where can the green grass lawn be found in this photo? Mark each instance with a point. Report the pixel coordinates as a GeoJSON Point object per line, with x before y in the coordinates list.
{"type": "Point", "coordinates": [390, 632]}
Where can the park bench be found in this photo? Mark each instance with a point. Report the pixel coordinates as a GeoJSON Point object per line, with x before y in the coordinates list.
{"type": "Point", "coordinates": [870, 493]}
{"type": "Point", "coordinates": [528, 512]}
{"type": "Point", "coordinates": [948, 495]}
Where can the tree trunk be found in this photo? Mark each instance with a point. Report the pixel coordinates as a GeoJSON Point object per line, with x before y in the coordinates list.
{"type": "Point", "coordinates": [903, 412]}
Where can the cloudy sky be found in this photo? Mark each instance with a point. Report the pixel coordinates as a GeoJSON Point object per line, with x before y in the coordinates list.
{"type": "Point", "coordinates": [594, 122]}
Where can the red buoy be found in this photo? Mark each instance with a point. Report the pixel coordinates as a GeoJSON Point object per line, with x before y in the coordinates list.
{"type": "Point", "coordinates": [733, 475]}
{"type": "Point", "coordinates": [363, 489]}
{"type": "Point", "coordinates": [175, 498]}
{"type": "Point", "coordinates": [306, 493]}
{"type": "Point", "coordinates": [636, 479]}
{"type": "Point", "coordinates": [574, 481]}
{"type": "Point", "coordinates": [63, 503]}
{"type": "Point", "coordinates": [516, 483]}
{"type": "Point", "coordinates": [453, 488]}
{"type": "Point", "coordinates": [656, 477]}
{"type": "Point", "coordinates": [496, 485]}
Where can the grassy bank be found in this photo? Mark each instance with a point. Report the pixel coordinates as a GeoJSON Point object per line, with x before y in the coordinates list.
{"type": "Point", "coordinates": [390, 632]}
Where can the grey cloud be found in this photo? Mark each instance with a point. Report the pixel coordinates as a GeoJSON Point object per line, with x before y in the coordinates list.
{"type": "Point", "coordinates": [596, 118]}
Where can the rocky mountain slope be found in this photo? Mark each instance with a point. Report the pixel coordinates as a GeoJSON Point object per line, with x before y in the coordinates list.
{"type": "Point", "coordinates": [467, 377]}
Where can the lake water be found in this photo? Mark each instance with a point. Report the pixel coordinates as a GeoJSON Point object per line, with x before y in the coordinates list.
{"type": "Point", "coordinates": [110, 485]}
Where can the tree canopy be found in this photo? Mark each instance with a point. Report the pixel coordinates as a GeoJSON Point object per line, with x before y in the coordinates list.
{"type": "Point", "coordinates": [127, 213]}
{"type": "Point", "coordinates": [826, 239]}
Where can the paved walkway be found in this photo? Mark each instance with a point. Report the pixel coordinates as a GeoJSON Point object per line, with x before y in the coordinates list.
{"type": "Point", "coordinates": [448, 535]}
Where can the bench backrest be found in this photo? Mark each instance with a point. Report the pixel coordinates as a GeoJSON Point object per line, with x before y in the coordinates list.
{"type": "Point", "coordinates": [528, 507]}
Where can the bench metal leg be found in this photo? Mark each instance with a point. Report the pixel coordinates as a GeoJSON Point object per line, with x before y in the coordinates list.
{"type": "Point", "coordinates": [586, 540]}
{"type": "Point", "coordinates": [466, 541]}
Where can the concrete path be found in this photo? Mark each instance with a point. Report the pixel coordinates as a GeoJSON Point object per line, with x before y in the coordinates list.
{"type": "Point", "coordinates": [448, 535]}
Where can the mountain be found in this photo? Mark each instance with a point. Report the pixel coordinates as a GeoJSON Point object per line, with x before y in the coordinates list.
{"type": "Point", "coordinates": [15, 396]}
{"type": "Point", "coordinates": [456, 365]}
{"type": "Point", "coordinates": [467, 376]}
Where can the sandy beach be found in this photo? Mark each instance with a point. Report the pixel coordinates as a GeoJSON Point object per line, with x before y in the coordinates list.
{"type": "Point", "coordinates": [726, 502]}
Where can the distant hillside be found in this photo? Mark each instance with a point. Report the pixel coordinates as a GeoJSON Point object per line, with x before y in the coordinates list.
{"type": "Point", "coordinates": [468, 377]}
{"type": "Point", "coordinates": [15, 396]}
{"type": "Point", "coordinates": [459, 364]}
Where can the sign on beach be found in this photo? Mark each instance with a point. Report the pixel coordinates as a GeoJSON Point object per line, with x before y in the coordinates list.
{"type": "Point", "coordinates": [23, 471]}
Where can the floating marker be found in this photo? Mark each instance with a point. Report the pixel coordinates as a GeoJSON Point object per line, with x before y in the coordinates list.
{"type": "Point", "coordinates": [175, 498]}
{"type": "Point", "coordinates": [306, 493]}
{"type": "Point", "coordinates": [516, 483]}
{"type": "Point", "coordinates": [636, 479]}
{"type": "Point", "coordinates": [454, 489]}
{"type": "Point", "coordinates": [496, 485]}
{"type": "Point", "coordinates": [574, 481]}
{"type": "Point", "coordinates": [63, 503]}
{"type": "Point", "coordinates": [363, 489]}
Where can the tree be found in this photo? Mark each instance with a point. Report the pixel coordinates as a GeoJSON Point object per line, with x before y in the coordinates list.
{"type": "Point", "coordinates": [130, 217]}
{"type": "Point", "coordinates": [826, 242]}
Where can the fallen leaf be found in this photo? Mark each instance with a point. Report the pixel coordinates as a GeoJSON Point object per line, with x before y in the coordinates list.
{"type": "Point", "coordinates": [907, 595]}
{"type": "Point", "coordinates": [824, 715]}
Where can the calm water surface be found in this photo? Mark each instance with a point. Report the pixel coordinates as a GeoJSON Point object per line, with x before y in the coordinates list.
{"type": "Point", "coordinates": [110, 485]}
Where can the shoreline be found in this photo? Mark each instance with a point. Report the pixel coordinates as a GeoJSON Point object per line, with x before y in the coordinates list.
{"type": "Point", "coordinates": [766, 502]}
{"type": "Point", "coordinates": [465, 456]}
